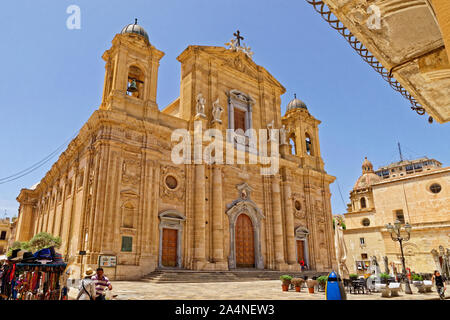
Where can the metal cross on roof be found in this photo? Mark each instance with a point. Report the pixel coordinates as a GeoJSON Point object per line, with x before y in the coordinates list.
{"type": "Point", "coordinates": [238, 36]}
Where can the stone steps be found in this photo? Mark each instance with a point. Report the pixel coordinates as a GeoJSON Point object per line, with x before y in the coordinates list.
{"type": "Point", "coordinates": [190, 276]}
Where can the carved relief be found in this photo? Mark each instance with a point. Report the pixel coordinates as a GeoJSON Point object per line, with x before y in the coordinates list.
{"type": "Point", "coordinates": [172, 184]}
{"type": "Point", "coordinates": [131, 169]}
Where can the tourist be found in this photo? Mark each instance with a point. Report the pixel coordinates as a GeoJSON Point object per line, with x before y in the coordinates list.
{"type": "Point", "coordinates": [87, 286]}
{"type": "Point", "coordinates": [101, 282]}
{"type": "Point", "coordinates": [440, 284]}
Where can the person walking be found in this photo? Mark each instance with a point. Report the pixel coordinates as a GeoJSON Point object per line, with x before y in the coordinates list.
{"type": "Point", "coordinates": [440, 284]}
{"type": "Point", "coordinates": [87, 286]}
{"type": "Point", "coordinates": [101, 282]}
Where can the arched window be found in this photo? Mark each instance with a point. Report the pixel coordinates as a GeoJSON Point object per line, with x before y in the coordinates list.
{"type": "Point", "coordinates": [308, 141]}
{"type": "Point", "coordinates": [363, 203]}
{"type": "Point", "coordinates": [135, 86]}
{"type": "Point", "coordinates": [292, 144]}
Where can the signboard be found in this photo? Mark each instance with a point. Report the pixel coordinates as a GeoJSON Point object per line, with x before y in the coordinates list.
{"type": "Point", "coordinates": [107, 261]}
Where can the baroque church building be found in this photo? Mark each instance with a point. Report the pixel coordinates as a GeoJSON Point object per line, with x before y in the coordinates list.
{"type": "Point", "coordinates": [115, 190]}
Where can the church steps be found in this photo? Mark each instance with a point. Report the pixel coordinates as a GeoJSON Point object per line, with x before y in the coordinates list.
{"type": "Point", "coordinates": [190, 276]}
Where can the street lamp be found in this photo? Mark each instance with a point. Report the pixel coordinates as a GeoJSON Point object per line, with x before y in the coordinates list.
{"type": "Point", "coordinates": [396, 235]}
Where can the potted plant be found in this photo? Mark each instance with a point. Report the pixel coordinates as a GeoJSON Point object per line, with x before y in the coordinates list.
{"type": "Point", "coordinates": [384, 278]}
{"type": "Point", "coordinates": [310, 283]}
{"type": "Point", "coordinates": [417, 279]}
{"type": "Point", "coordinates": [297, 282]}
{"type": "Point", "coordinates": [353, 276]}
{"type": "Point", "coordinates": [322, 281]}
{"type": "Point", "coordinates": [285, 282]}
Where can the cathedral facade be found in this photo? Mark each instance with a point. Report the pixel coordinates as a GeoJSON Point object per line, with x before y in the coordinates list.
{"type": "Point", "coordinates": [116, 191]}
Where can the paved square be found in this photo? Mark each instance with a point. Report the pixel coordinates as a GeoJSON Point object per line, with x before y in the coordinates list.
{"type": "Point", "coordinates": [253, 290]}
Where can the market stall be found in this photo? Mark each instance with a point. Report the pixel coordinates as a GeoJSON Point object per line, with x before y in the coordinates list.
{"type": "Point", "coordinates": [38, 276]}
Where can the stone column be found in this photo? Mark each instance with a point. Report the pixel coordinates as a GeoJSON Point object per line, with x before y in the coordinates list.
{"type": "Point", "coordinates": [199, 216]}
{"type": "Point", "coordinates": [217, 218]}
{"type": "Point", "coordinates": [289, 222]}
{"type": "Point", "coordinates": [277, 222]}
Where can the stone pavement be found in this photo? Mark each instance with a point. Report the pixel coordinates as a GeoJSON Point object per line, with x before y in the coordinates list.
{"type": "Point", "coordinates": [254, 290]}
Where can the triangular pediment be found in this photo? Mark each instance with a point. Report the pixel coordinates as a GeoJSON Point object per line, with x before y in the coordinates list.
{"type": "Point", "coordinates": [236, 60]}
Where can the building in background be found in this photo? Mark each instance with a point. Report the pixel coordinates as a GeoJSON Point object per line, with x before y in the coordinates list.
{"type": "Point", "coordinates": [417, 192]}
{"type": "Point", "coordinates": [5, 232]}
{"type": "Point", "coordinates": [115, 193]}
{"type": "Point", "coordinates": [406, 42]}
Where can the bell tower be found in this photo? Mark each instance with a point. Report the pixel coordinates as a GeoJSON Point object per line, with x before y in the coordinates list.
{"type": "Point", "coordinates": [303, 134]}
{"type": "Point", "coordinates": [131, 75]}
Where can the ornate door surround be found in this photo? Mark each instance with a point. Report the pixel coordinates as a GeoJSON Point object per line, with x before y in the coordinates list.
{"type": "Point", "coordinates": [171, 219]}
{"type": "Point", "coordinates": [244, 205]}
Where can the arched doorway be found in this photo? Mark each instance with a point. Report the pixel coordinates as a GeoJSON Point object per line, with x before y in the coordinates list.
{"type": "Point", "coordinates": [170, 239]}
{"type": "Point", "coordinates": [245, 246]}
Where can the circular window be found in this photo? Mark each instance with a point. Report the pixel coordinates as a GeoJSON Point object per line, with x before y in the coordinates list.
{"type": "Point", "coordinates": [365, 222]}
{"type": "Point", "coordinates": [435, 188]}
{"type": "Point", "coordinates": [298, 205]}
{"type": "Point", "coordinates": [171, 182]}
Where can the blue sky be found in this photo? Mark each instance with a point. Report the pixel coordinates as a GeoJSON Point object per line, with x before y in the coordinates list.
{"type": "Point", "coordinates": [52, 79]}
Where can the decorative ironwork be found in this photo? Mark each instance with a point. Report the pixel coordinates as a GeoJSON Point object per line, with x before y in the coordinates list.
{"type": "Point", "coordinates": [365, 54]}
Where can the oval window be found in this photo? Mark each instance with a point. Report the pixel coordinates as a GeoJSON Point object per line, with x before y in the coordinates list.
{"type": "Point", "coordinates": [298, 205]}
{"type": "Point", "coordinates": [171, 182]}
{"type": "Point", "coordinates": [365, 222]}
{"type": "Point", "coordinates": [435, 188]}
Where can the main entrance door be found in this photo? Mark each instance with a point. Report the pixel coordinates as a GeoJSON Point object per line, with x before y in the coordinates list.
{"type": "Point", "coordinates": [244, 239]}
{"type": "Point", "coordinates": [169, 247]}
{"type": "Point", "coordinates": [300, 251]}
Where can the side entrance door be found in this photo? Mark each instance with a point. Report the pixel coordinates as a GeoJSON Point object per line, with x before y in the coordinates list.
{"type": "Point", "coordinates": [169, 247]}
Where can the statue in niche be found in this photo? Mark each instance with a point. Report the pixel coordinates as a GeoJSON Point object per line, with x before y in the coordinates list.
{"type": "Point", "coordinates": [217, 112]}
{"type": "Point", "coordinates": [200, 105]}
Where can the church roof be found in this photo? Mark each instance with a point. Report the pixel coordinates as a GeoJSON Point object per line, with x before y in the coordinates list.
{"type": "Point", "coordinates": [136, 29]}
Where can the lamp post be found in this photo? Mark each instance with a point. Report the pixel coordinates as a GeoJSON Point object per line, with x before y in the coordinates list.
{"type": "Point", "coordinates": [396, 235]}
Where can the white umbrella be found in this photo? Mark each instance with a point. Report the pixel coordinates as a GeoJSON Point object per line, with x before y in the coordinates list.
{"type": "Point", "coordinates": [3, 257]}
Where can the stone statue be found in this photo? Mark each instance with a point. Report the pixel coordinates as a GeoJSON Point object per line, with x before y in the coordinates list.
{"type": "Point", "coordinates": [283, 135]}
{"type": "Point", "coordinates": [200, 105]}
{"type": "Point", "coordinates": [341, 249]}
{"type": "Point", "coordinates": [232, 44]}
{"type": "Point", "coordinates": [270, 127]}
{"type": "Point", "coordinates": [217, 112]}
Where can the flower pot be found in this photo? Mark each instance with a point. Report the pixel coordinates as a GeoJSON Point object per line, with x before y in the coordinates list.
{"type": "Point", "coordinates": [285, 287]}
{"type": "Point", "coordinates": [311, 290]}
{"type": "Point", "coordinates": [297, 289]}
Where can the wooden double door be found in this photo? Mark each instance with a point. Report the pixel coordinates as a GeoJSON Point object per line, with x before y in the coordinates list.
{"type": "Point", "coordinates": [244, 242]}
{"type": "Point", "coordinates": [169, 247]}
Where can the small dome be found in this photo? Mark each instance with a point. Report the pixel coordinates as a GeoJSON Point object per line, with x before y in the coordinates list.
{"type": "Point", "coordinates": [368, 177]}
{"type": "Point", "coordinates": [136, 29]}
{"type": "Point", "coordinates": [296, 103]}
